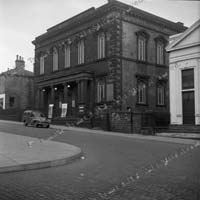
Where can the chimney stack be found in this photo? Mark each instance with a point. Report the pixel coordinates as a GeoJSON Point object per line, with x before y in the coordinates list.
{"type": "Point", "coordinates": [19, 62]}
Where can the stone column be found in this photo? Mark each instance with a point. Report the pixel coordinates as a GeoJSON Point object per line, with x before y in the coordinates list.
{"type": "Point", "coordinates": [92, 95]}
{"type": "Point", "coordinates": [41, 98]}
{"type": "Point", "coordinates": [37, 98]}
{"type": "Point", "coordinates": [52, 98]}
{"type": "Point", "coordinates": [65, 92]}
{"type": "Point", "coordinates": [197, 92]}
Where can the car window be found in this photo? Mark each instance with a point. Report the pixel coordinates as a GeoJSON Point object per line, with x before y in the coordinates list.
{"type": "Point", "coordinates": [38, 114]}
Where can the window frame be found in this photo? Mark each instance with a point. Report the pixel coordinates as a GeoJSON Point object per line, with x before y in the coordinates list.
{"type": "Point", "coordinates": [101, 45]}
{"type": "Point", "coordinates": [160, 53]}
{"type": "Point", "coordinates": [101, 89]}
{"type": "Point", "coordinates": [42, 64]}
{"type": "Point", "coordinates": [162, 101]}
{"type": "Point", "coordinates": [55, 59]}
{"type": "Point", "coordinates": [193, 79]}
{"type": "Point", "coordinates": [67, 51]}
{"type": "Point", "coordinates": [81, 51]}
{"type": "Point", "coordinates": [142, 39]}
{"type": "Point", "coordinates": [160, 57]}
{"type": "Point", "coordinates": [143, 92]}
{"type": "Point", "coordinates": [141, 48]}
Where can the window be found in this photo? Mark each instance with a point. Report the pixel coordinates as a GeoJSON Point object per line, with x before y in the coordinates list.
{"type": "Point", "coordinates": [100, 90]}
{"type": "Point", "coordinates": [188, 79]}
{"type": "Point", "coordinates": [42, 64]}
{"type": "Point", "coordinates": [142, 48]}
{"type": "Point", "coordinates": [109, 91]}
{"type": "Point", "coordinates": [160, 53]}
{"type": "Point", "coordinates": [142, 92]}
{"type": "Point", "coordinates": [11, 101]}
{"type": "Point", "coordinates": [101, 45]}
{"type": "Point", "coordinates": [67, 56]}
{"type": "Point", "coordinates": [161, 95]}
{"type": "Point", "coordinates": [81, 52]}
{"type": "Point", "coordinates": [55, 59]}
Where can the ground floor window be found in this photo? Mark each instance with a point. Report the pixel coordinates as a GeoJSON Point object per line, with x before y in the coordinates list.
{"type": "Point", "coordinates": [160, 94]}
{"type": "Point", "coordinates": [100, 90]}
{"type": "Point", "coordinates": [141, 92]}
{"type": "Point", "coordinates": [105, 90]}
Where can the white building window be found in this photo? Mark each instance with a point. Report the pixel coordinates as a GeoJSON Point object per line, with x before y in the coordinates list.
{"type": "Point", "coordinates": [67, 56]}
{"type": "Point", "coordinates": [161, 95]}
{"type": "Point", "coordinates": [142, 48]}
{"type": "Point", "coordinates": [101, 90]}
{"type": "Point", "coordinates": [101, 45]}
{"type": "Point", "coordinates": [142, 92]}
{"type": "Point", "coordinates": [160, 53]}
{"type": "Point", "coordinates": [42, 64]}
{"type": "Point", "coordinates": [55, 59]}
{"type": "Point", "coordinates": [81, 52]}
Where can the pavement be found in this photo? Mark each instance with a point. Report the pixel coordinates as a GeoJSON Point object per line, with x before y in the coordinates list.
{"type": "Point", "coordinates": [19, 153]}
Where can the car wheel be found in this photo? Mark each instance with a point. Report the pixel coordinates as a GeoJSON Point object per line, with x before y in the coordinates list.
{"type": "Point", "coordinates": [25, 123]}
{"type": "Point", "coordinates": [47, 126]}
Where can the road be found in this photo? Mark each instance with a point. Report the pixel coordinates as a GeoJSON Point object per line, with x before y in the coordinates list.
{"type": "Point", "coordinates": [113, 167]}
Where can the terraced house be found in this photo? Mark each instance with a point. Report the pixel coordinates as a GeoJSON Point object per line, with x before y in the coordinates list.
{"type": "Point", "coordinates": [113, 55]}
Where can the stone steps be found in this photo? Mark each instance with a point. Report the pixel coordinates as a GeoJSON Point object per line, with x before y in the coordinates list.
{"type": "Point", "coordinates": [180, 129]}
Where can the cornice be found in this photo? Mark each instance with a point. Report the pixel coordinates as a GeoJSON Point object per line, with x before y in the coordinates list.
{"type": "Point", "coordinates": [101, 11]}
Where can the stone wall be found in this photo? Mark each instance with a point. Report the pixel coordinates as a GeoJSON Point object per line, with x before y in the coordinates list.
{"type": "Point", "coordinates": [21, 88]}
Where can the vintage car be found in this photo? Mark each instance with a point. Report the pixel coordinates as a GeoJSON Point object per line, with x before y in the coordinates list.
{"type": "Point", "coordinates": [35, 118]}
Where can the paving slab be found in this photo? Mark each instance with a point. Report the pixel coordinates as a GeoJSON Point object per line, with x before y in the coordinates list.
{"type": "Point", "coordinates": [22, 153]}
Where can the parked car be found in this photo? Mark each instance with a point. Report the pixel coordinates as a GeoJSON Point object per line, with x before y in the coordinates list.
{"type": "Point", "coordinates": [35, 118]}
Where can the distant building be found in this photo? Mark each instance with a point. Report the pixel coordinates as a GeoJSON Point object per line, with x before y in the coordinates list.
{"type": "Point", "coordinates": [113, 55]}
{"type": "Point", "coordinates": [184, 59]}
{"type": "Point", "coordinates": [16, 87]}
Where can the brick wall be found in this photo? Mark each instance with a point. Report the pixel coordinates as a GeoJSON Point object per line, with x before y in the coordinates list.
{"type": "Point", "coordinates": [121, 122]}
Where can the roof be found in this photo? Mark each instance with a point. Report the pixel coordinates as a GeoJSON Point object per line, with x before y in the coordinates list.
{"type": "Point", "coordinates": [18, 72]}
{"type": "Point", "coordinates": [176, 39]}
{"type": "Point", "coordinates": [95, 12]}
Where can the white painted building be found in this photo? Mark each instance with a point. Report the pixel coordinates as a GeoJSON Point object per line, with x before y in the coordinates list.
{"type": "Point", "coordinates": [184, 76]}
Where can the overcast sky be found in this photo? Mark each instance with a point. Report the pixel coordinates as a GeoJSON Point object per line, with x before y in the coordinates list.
{"type": "Point", "coordinates": [23, 20]}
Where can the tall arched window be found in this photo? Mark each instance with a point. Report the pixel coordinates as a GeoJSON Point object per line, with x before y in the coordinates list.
{"type": "Point", "coordinates": [141, 48]}
{"type": "Point", "coordinates": [101, 45]}
{"type": "Point", "coordinates": [67, 56]}
{"type": "Point", "coordinates": [142, 39]}
{"type": "Point", "coordinates": [42, 57]}
{"type": "Point", "coordinates": [160, 53]}
{"type": "Point", "coordinates": [81, 53]}
{"type": "Point", "coordinates": [55, 59]}
{"type": "Point", "coordinates": [160, 42]}
{"type": "Point", "coordinates": [161, 94]}
{"type": "Point", "coordinates": [101, 90]}
{"type": "Point", "coordinates": [142, 92]}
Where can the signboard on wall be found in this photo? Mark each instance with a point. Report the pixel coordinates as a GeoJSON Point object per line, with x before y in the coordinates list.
{"type": "Point", "coordinates": [50, 111]}
{"type": "Point", "coordinates": [2, 101]}
{"type": "Point", "coordinates": [64, 110]}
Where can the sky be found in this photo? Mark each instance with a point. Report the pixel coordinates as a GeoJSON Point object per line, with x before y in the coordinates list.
{"type": "Point", "coordinates": [23, 20]}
